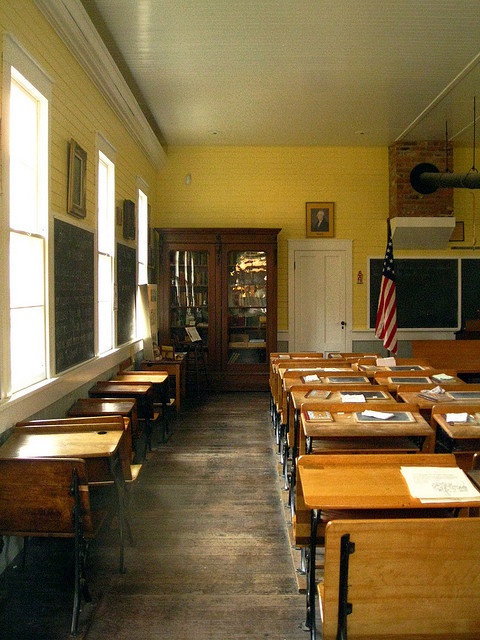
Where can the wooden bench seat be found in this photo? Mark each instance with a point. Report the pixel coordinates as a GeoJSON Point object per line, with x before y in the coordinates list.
{"type": "Point", "coordinates": [49, 497]}
{"type": "Point", "coordinates": [401, 579]}
{"type": "Point", "coordinates": [462, 355]}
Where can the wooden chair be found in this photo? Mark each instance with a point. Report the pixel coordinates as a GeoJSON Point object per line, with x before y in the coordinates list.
{"type": "Point", "coordinates": [49, 497]}
{"type": "Point", "coordinates": [401, 579]}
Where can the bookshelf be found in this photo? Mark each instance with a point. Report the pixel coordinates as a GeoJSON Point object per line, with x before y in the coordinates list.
{"type": "Point", "coordinates": [223, 283]}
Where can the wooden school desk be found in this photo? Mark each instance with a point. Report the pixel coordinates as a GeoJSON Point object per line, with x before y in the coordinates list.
{"type": "Point", "coordinates": [395, 380]}
{"type": "Point", "coordinates": [401, 364]}
{"type": "Point", "coordinates": [315, 375]}
{"type": "Point", "coordinates": [126, 407]}
{"type": "Point", "coordinates": [175, 368]}
{"type": "Point", "coordinates": [302, 368]}
{"type": "Point", "coordinates": [99, 447]}
{"type": "Point", "coordinates": [460, 438]}
{"type": "Point", "coordinates": [361, 483]}
{"type": "Point", "coordinates": [321, 394]}
{"type": "Point", "coordinates": [454, 393]}
{"type": "Point", "coordinates": [159, 380]}
{"type": "Point", "coordinates": [141, 391]}
{"type": "Point", "coordinates": [348, 429]}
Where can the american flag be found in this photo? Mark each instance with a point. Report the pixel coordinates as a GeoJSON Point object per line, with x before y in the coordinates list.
{"type": "Point", "coordinates": [386, 322]}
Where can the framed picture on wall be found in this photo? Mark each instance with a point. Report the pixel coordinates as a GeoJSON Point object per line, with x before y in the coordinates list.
{"type": "Point", "coordinates": [319, 219]}
{"type": "Point", "coordinates": [77, 171]}
{"type": "Point", "coordinates": [129, 220]}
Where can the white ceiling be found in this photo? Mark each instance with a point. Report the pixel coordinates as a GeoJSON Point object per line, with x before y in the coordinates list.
{"type": "Point", "coordinates": [302, 72]}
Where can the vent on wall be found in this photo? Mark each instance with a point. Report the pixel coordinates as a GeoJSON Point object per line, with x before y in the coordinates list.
{"type": "Point", "coordinates": [422, 233]}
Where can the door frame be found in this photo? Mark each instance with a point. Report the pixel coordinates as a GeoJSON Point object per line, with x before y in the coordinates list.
{"type": "Point", "coordinates": [320, 245]}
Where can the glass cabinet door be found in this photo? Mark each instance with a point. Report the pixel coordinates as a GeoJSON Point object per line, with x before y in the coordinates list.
{"type": "Point", "coordinates": [189, 283]}
{"type": "Point", "coordinates": [247, 307]}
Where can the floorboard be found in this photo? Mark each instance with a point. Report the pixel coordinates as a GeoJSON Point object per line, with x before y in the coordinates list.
{"type": "Point", "coordinates": [211, 559]}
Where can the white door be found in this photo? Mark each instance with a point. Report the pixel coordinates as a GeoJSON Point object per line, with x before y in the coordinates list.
{"type": "Point", "coordinates": [320, 295]}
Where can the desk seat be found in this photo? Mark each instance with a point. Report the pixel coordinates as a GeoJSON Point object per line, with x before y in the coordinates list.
{"type": "Point", "coordinates": [49, 497]}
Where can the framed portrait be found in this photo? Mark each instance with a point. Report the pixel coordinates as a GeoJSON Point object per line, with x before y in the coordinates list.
{"type": "Point", "coordinates": [319, 219]}
{"type": "Point", "coordinates": [129, 220]}
{"type": "Point", "coordinates": [77, 171]}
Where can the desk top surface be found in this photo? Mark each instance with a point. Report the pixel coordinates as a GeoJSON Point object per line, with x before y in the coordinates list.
{"type": "Point", "coordinates": [103, 406]}
{"type": "Point", "coordinates": [351, 424]}
{"type": "Point", "coordinates": [122, 388]}
{"type": "Point", "coordinates": [317, 394]}
{"type": "Point", "coordinates": [155, 377]}
{"type": "Point", "coordinates": [326, 379]}
{"type": "Point", "coordinates": [152, 364]}
{"type": "Point", "coordinates": [460, 430]}
{"type": "Point", "coordinates": [463, 393]}
{"type": "Point", "coordinates": [285, 370]}
{"type": "Point", "coordinates": [362, 487]}
{"type": "Point", "coordinates": [78, 444]}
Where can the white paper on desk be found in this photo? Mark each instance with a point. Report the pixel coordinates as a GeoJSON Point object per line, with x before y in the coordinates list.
{"type": "Point", "coordinates": [437, 390]}
{"type": "Point", "coordinates": [442, 376]}
{"type": "Point", "coordinates": [311, 378]}
{"type": "Point", "coordinates": [457, 417]}
{"type": "Point", "coordinates": [386, 362]}
{"type": "Point", "coordinates": [353, 397]}
{"type": "Point", "coordinates": [439, 484]}
{"type": "Point", "coordinates": [381, 415]}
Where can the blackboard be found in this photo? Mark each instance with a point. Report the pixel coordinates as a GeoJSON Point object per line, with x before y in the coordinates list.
{"type": "Point", "coordinates": [427, 292]}
{"type": "Point", "coordinates": [470, 289]}
{"type": "Point", "coordinates": [74, 295]}
{"type": "Point", "coordinates": [126, 292]}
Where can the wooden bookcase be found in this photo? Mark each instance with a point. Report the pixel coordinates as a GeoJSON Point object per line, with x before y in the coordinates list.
{"type": "Point", "coordinates": [223, 282]}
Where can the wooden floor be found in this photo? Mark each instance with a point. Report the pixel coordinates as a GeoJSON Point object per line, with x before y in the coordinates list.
{"type": "Point", "coordinates": [211, 559]}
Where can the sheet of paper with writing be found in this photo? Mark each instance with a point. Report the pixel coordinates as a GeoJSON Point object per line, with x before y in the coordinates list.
{"type": "Point", "coordinates": [439, 484]}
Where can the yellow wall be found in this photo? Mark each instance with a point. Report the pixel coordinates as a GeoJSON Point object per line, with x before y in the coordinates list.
{"type": "Point", "coordinates": [268, 187]}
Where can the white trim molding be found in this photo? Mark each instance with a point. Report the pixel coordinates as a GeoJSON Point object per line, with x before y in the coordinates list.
{"type": "Point", "coordinates": [74, 27]}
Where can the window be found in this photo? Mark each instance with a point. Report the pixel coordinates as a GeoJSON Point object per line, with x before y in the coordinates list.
{"type": "Point", "coordinates": [105, 252]}
{"type": "Point", "coordinates": [25, 339]}
{"type": "Point", "coordinates": [142, 238]}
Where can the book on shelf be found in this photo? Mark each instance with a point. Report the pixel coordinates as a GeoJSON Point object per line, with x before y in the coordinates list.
{"type": "Point", "coordinates": [193, 334]}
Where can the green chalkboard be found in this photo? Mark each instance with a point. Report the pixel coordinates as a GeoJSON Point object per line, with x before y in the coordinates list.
{"type": "Point", "coordinates": [427, 292]}
{"type": "Point", "coordinates": [74, 295]}
{"type": "Point", "coordinates": [126, 292]}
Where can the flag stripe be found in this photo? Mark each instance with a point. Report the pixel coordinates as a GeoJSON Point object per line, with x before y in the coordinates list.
{"type": "Point", "coordinates": [386, 320]}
